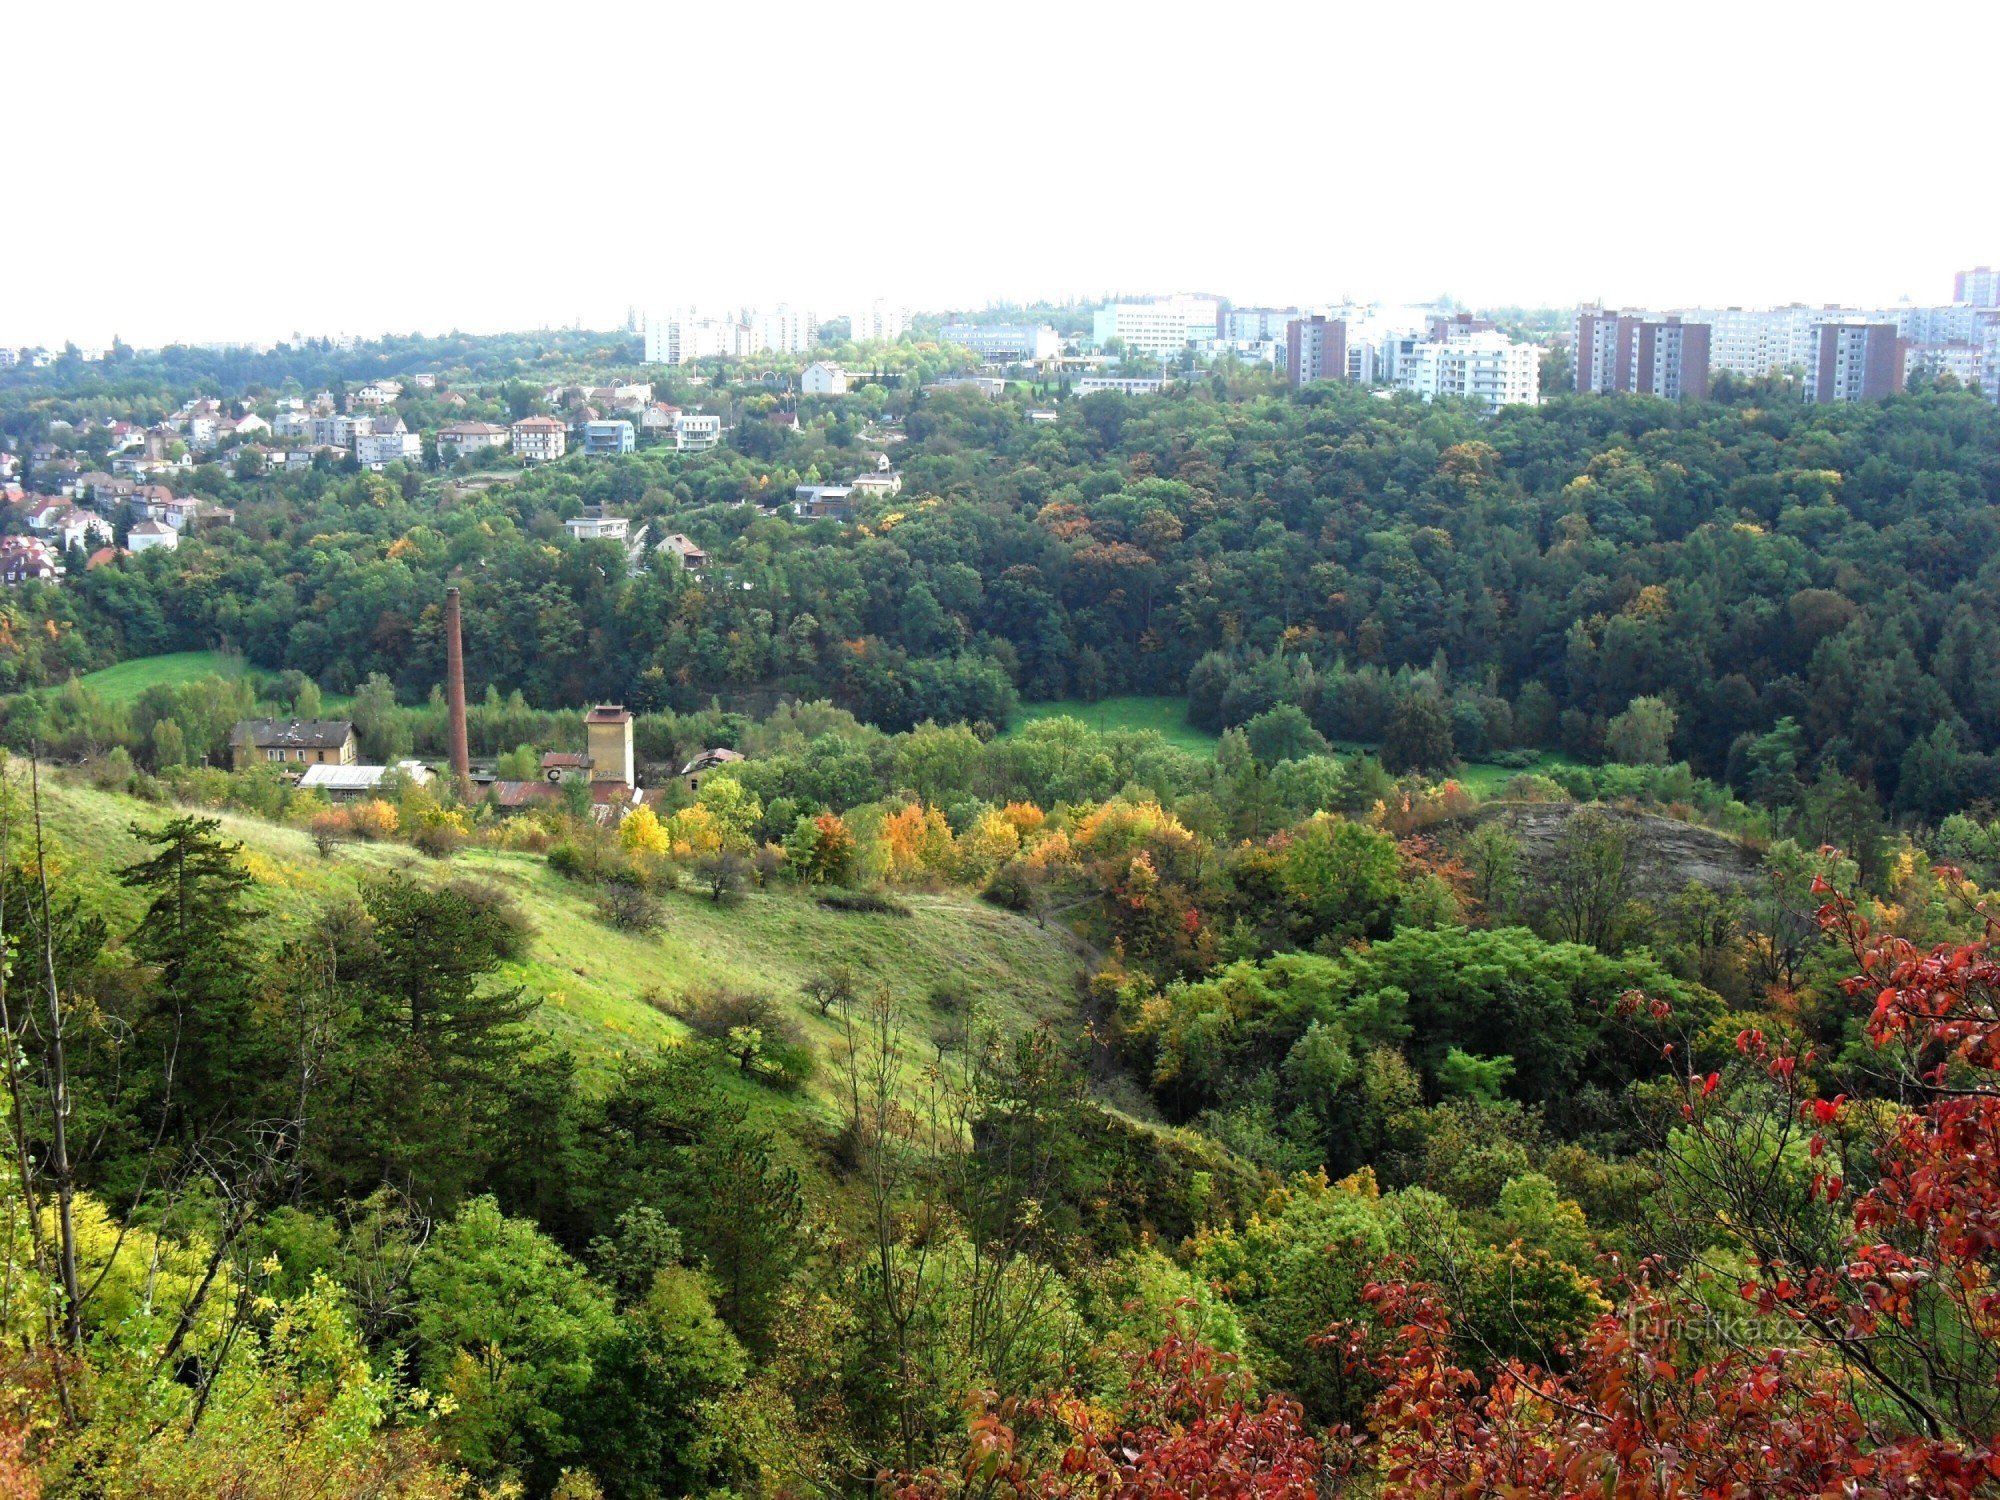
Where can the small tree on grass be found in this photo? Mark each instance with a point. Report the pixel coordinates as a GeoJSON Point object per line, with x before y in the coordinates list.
{"type": "Point", "coordinates": [722, 876]}
{"type": "Point", "coordinates": [833, 987]}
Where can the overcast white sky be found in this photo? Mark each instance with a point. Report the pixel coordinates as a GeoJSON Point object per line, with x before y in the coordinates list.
{"type": "Point", "coordinates": [202, 174]}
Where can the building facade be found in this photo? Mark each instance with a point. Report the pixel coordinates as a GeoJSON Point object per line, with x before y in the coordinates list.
{"type": "Point", "coordinates": [1980, 287]}
{"type": "Point", "coordinates": [1163, 328]}
{"type": "Point", "coordinates": [877, 323]}
{"type": "Point", "coordinates": [540, 439]}
{"type": "Point", "coordinates": [1854, 362]}
{"type": "Point", "coordinates": [696, 431]}
{"type": "Point", "coordinates": [1485, 368]}
{"type": "Point", "coordinates": [1315, 349]}
{"type": "Point", "coordinates": [606, 437]}
{"type": "Point", "coordinates": [1005, 343]}
{"type": "Point", "coordinates": [1641, 355]}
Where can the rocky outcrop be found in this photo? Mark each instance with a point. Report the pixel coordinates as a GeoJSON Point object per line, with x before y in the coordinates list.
{"type": "Point", "coordinates": [1666, 854]}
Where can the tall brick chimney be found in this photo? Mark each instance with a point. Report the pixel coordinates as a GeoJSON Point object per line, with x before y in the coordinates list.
{"type": "Point", "coordinates": [454, 673]}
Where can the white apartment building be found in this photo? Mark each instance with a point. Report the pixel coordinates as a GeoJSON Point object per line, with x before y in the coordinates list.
{"type": "Point", "coordinates": [375, 393]}
{"type": "Point", "coordinates": [1758, 341]}
{"type": "Point", "coordinates": [878, 323]}
{"type": "Point", "coordinates": [681, 338]}
{"type": "Point", "coordinates": [374, 449]}
{"type": "Point", "coordinates": [144, 536]}
{"type": "Point", "coordinates": [1163, 328]}
{"type": "Point", "coordinates": [1989, 359]}
{"type": "Point", "coordinates": [1487, 368]}
{"type": "Point", "coordinates": [1963, 360]}
{"type": "Point", "coordinates": [783, 330]}
{"type": "Point", "coordinates": [540, 439]}
{"type": "Point", "coordinates": [696, 432]}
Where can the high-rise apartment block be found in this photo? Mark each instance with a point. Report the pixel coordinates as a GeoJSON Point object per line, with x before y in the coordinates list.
{"type": "Point", "coordinates": [1854, 362]}
{"type": "Point", "coordinates": [877, 323]}
{"type": "Point", "coordinates": [1315, 349]}
{"type": "Point", "coordinates": [1641, 355]}
{"type": "Point", "coordinates": [1979, 286]}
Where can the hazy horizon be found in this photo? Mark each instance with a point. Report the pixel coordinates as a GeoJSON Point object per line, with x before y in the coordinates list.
{"type": "Point", "coordinates": [425, 173]}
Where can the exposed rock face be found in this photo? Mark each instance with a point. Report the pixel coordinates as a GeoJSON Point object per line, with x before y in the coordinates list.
{"type": "Point", "coordinates": [1666, 854]}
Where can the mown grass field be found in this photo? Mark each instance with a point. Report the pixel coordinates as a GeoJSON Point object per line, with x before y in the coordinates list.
{"type": "Point", "coordinates": [124, 682]}
{"type": "Point", "coordinates": [1168, 715]}
{"type": "Point", "coordinates": [1164, 713]}
{"type": "Point", "coordinates": [608, 994]}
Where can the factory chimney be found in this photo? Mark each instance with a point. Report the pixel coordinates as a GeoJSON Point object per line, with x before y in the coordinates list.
{"type": "Point", "coordinates": [454, 660]}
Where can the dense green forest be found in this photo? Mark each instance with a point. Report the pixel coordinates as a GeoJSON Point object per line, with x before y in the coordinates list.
{"type": "Point", "coordinates": [929, 1105]}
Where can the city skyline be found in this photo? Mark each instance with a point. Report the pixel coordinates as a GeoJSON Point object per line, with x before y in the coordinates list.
{"type": "Point", "coordinates": [457, 178]}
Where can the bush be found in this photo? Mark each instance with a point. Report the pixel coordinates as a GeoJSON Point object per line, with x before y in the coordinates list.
{"type": "Point", "coordinates": [438, 840]}
{"type": "Point", "coordinates": [630, 909]}
{"type": "Point", "coordinates": [1012, 888]}
{"type": "Point", "coordinates": [868, 901]}
{"type": "Point", "coordinates": [568, 861]}
{"type": "Point", "coordinates": [722, 876]}
{"type": "Point", "coordinates": [751, 1030]}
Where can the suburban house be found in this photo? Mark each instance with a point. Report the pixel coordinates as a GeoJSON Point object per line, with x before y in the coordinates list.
{"type": "Point", "coordinates": [79, 527]}
{"type": "Point", "coordinates": [463, 438]}
{"type": "Point", "coordinates": [146, 535]}
{"type": "Point", "coordinates": [696, 432]}
{"type": "Point", "coordinates": [659, 417]}
{"type": "Point", "coordinates": [598, 524]}
{"type": "Point", "coordinates": [823, 378]}
{"type": "Point", "coordinates": [375, 393]}
{"type": "Point", "coordinates": [683, 547]}
{"type": "Point", "coordinates": [317, 742]}
{"type": "Point", "coordinates": [25, 557]}
{"type": "Point", "coordinates": [707, 761]}
{"type": "Point", "coordinates": [540, 439]}
{"type": "Point", "coordinates": [834, 500]}
{"type": "Point", "coordinates": [614, 436]}
{"type": "Point", "coordinates": [884, 481]}
{"type": "Point", "coordinates": [386, 440]}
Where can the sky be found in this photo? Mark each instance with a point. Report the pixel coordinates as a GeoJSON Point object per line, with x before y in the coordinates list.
{"type": "Point", "coordinates": [420, 168]}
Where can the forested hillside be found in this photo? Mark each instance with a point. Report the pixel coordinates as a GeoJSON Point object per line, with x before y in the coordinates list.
{"type": "Point", "coordinates": [1804, 587]}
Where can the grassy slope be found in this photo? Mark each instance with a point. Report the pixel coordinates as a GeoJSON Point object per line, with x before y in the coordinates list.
{"type": "Point", "coordinates": [1166, 714]}
{"type": "Point", "coordinates": [124, 682]}
{"type": "Point", "coordinates": [601, 986]}
{"type": "Point", "coordinates": [1169, 716]}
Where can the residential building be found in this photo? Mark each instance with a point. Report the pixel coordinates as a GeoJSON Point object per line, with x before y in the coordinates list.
{"type": "Point", "coordinates": [146, 535]}
{"type": "Point", "coordinates": [696, 431]}
{"type": "Point", "coordinates": [783, 330]}
{"type": "Point", "coordinates": [1124, 385]}
{"type": "Point", "coordinates": [1484, 367]}
{"type": "Point", "coordinates": [658, 417]}
{"type": "Point", "coordinates": [1989, 360]}
{"type": "Point", "coordinates": [683, 548]}
{"type": "Point", "coordinates": [375, 393]}
{"type": "Point", "coordinates": [1163, 328]}
{"type": "Point", "coordinates": [1980, 287]}
{"type": "Point", "coordinates": [463, 439]}
{"type": "Point", "coordinates": [823, 378]}
{"type": "Point", "coordinates": [1255, 325]}
{"type": "Point", "coordinates": [339, 431]}
{"type": "Point", "coordinates": [1005, 343]}
{"type": "Point", "coordinates": [681, 338]}
{"type": "Point", "coordinates": [1641, 355]}
{"type": "Point", "coordinates": [292, 424]}
{"type": "Point", "coordinates": [1854, 362]}
{"type": "Point", "coordinates": [607, 731]}
{"type": "Point", "coordinates": [828, 500]}
{"type": "Point", "coordinates": [601, 438]}
{"type": "Point", "coordinates": [598, 524]}
{"type": "Point", "coordinates": [25, 559]}
{"type": "Point", "coordinates": [386, 441]}
{"type": "Point", "coordinates": [1444, 328]}
{"type": "Point", "coordinates": [315, 742]}
{"type": "Point", "coordinates": [82, 530]}
{"type": "Point", "coordinates": [1315, 349]}
{"type": "Point", "coordinates": [539, 439]}
{"type": "Point", "coordinates": [1963, 360]}
{"type": "Point", "coordinates": [877, 323]}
